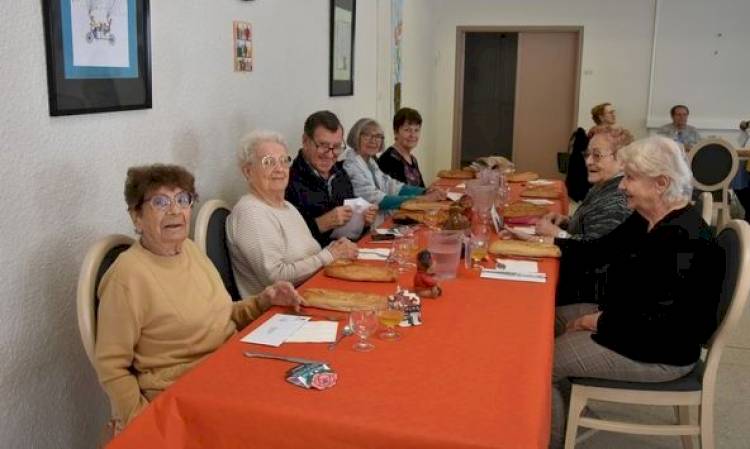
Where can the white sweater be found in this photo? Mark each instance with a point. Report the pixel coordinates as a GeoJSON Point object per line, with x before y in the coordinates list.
{"type": "Point", "coordinates": [269, 244]}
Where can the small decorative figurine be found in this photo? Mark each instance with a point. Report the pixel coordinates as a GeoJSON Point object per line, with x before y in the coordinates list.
{"type": "Point", "coordinates": [410, 304]}
{"type": "Point", "coordinates": [425, 284]}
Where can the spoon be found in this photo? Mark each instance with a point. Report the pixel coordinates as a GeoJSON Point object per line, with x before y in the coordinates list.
{"type": "Point", "coordinates": [345, 332]}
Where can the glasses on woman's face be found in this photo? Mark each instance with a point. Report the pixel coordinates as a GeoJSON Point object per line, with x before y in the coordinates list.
{"type": "Point", "coordinates": [270, 162]}
{"type": "Point", "coordinates": [596, 156]}
{"type": "Point", "coordinates": [183, 200]}
{"type": "Point", "coordinates": [335, 148]}
{"type": "Point", "coordinates": [374, 137]}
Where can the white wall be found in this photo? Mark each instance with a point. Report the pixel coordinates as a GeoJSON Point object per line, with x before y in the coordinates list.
{"type": "Point", "coordinates": [615, 62]}
{"type": "Point", "coordinates": [62, 177]}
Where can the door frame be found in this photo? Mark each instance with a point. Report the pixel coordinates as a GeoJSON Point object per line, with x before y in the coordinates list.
{"type": "Point", "coordinates": [458, 96]}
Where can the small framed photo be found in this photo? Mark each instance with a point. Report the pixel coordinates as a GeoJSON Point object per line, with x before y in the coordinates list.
{"type": "Point", "coordinates": [243, 46]}
{"type": "Point", "coordinates": [98, 55]}
{"type": "Point", "coordinates": [341, 74]}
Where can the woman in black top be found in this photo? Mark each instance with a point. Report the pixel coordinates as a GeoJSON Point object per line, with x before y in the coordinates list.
{"type": "Point", "coordinates": [397, 161]}
{"type": "Point", "coordinates": [663, 277]}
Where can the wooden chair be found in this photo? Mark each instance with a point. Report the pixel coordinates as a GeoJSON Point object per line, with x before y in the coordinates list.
{"type": "Point", "coordinates": [714, 163]}
{"type": "Point", "coordinates": [211, 237]}
{"type": "Point", "coordinates": [695, 390]}
{"type": "Point", "coordinates": [705, 203]}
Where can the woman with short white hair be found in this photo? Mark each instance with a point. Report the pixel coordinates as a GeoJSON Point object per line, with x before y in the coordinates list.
{"type": "Point", "coordinates": [267, 237]}
{"type": "Point", "coordinates": [663, 278]}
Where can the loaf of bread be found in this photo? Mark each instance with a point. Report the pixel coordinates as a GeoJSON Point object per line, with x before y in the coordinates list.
{"type": "Point", "coordinates": [418, 216]}
{"type": "Point", "coordinates": [523, 209]}
{"type": "Point", "coordinates": [417, 205]}
{"type": "Point", "coordinates": [324, 298]}
{"type": "Point", "coordinates": [523, 248]}
{"type": "Point", "coordinates": [359, 271]}
{"type": "Point", "coordinates": [541, 192]}
{"type": "Point", "coordinates": [523, 176]}
{"type": "Point", "coordinates": [456, 174]}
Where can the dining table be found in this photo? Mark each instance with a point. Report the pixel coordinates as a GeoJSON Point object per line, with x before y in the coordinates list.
{"type": "Point", "coordinates": [475, 374]}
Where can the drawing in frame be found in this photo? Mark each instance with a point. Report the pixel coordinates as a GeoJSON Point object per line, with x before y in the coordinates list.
{"type": "Point", "coordinates": [98, 55]}
{"type": "Point", "coordinates": [341, 73]}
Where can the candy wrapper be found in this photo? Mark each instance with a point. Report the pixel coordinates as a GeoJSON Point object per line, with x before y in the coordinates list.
{"type": "Point", "coordinates": [312, 375]}
{"type": "Point", "coordinates": [411, 304]}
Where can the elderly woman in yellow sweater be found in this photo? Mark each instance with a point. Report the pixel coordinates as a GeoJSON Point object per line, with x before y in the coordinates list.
{"type": "Point", "coordinates": [163, 306]}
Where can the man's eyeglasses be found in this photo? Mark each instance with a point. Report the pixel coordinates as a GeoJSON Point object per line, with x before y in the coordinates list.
{"type": "Point", "coordinates": [184, 200]}
{"type": "Point", "coordinates": [270, 162]}
{"type": "Point", "coordinates": [335, 148]}
{"type": "Point", "coordinates": [373, 137]}
{"type": "Point", "coordinates": [596, 156]}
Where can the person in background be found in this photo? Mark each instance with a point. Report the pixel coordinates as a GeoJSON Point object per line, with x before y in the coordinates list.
{"type": "Point", "coordinates": [679, 130]}
{"type": "Point", "coordinates": [318, 184]}
{"type": "Point", "coordinates": [397, 161]}
{"type": "Point", "coordinates": [741, 182]}
{"type": "Point", "coordinates": [268, 239]}
{"type": "Point", "coordinates": [365, 140]}
{"type": "Point", "coordinates": [163, 306]}
{"type": "Point", "coordinates": [576, 178]}
{"type": "Point", "coordinates": [664, 276]}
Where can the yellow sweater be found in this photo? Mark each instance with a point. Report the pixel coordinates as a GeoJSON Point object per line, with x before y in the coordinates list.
{"type": "Point", "coordinates": [158, 317]}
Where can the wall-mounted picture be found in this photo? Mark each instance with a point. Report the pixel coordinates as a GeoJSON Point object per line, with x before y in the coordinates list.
{"type": "Point", "coordinates": [341, 74]}
{"type": "Point", "coordinates": [243, 46]}
{"type": "Point", "coordinates": [98, 55]}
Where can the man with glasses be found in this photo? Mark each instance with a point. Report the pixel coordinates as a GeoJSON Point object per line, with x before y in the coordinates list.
{"type": "Point", "coordinates": [679, 130]}
{"type": "Point", "coordinates": [318, 185]}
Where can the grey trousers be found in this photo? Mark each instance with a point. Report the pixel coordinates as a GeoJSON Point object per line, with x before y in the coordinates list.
{"type": "Point", "coordinates": [577, 355]}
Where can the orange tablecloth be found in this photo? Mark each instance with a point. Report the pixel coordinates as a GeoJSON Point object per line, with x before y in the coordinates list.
{"type": "Point", "coordinates": [476, 374]}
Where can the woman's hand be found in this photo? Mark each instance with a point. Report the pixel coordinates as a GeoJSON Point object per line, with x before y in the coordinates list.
{"type": "Point", "coordinates": [546, 228]}
{"type": "Point", "coordinates": [435, 194]}
{"type": "Point", "coordinates": [584, 323]}
{"type": "Point", "coordinates": [343, 248]}
{"type": "Point", "coordinates": [370, 214]}
{"type": "Point", "coordinates": [556, 219]}
{"type": "Point", "coordinates": [281, 293]}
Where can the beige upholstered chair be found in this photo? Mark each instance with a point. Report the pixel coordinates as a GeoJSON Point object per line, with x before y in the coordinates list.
{"type": "Point", "coordinates": [211, 237]}
{"type": "Point", "coordinates": [695, 391]}
{"type": "Point", "coordinates": [714, 163]}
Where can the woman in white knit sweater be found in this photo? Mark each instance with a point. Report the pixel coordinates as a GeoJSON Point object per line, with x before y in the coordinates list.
{"type": "Point", "coordinates": [267, 237]}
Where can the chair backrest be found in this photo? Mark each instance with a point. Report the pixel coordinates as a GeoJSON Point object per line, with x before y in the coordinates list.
{"type": "Point", "coordinates": [705, 206]}
{"type": "Point", "coordinates": [211, 237]}
{"type": "Point", "coordinates": [98, 259]}
{"type": "Point", "coordinates": [734, 239]}
{"type": "Point", "coordinates": [714, 163]}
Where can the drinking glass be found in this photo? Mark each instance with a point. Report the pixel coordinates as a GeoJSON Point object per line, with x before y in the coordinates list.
{"type": "Point", "coordinates": [389, 316]}
{"type": "Point", "coordinates": [364, 323]}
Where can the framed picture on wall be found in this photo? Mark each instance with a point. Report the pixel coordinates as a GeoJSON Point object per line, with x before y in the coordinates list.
{"type": "Point", "coordinates": [98, 55]}
{"type": "Point", "coordinates": [341, 74]}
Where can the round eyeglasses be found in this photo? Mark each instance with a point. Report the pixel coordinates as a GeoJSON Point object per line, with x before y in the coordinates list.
{"type": "Point", "coordinates": [335, 148]}
{"type": "Point", "coordinates": [270, 162]}
{"type": "Point", "coordinates": [595, 156]}
{"type": "Point", "coordinates": [183, 200]}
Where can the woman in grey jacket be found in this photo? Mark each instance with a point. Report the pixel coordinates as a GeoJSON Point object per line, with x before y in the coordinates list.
{"type": "Point", "coordinates": [365, 140]}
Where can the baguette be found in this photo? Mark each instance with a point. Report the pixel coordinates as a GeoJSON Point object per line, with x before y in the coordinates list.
{"type": "Point", "coordinates": [359, 271]}
{"type": "Point", "coordinates": [523, 248]}
{"type": "Point", "coordinates": [324, 298]}
{"type": "Point", "coordinates": [522, 176]}
{"type": "Point", "coordinates": [541, 192]}
{"type": "Point", "coordinates": [417, 205]}
{"type": "Point", "coordinates": [456, 174]}
{"type": "Point", "coordinates": [523, 209]}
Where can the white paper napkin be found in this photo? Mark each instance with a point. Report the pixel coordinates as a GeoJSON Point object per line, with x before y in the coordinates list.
{"type": "Point", "coordinates": [352, 229]}
{"type": "Point", "coordinates": [538, 201]}
{"type": "Point", "coordinates": [373, 253]}
{"type": "Point", "coordinates": [540, 182]}
{"type": "Point", "coordinates": [454, 196]}
{"type": "Point", "coordinates": [315, 332]}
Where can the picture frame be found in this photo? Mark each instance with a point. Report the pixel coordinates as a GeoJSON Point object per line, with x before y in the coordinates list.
{"type": "Point", "coordinates": [98, 55]}
{"type": "Point", "coordinates": [341, 57]}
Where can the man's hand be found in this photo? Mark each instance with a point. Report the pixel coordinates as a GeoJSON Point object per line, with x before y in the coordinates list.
{"type": "Point", "coordinates": [338, 216]}
{"type": "Point", "coordinates": [370, 214]}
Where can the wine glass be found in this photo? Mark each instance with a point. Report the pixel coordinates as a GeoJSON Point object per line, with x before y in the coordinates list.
{"type": "Point", "coordinates": [389, 316]}
{"type": "Point", "coordinates": [364, 323]}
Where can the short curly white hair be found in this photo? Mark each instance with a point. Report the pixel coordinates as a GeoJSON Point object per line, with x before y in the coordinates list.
{"type": "Point", "coordinates": [659, 156]}
{"type": "Point", "coordinates": [251, 141]}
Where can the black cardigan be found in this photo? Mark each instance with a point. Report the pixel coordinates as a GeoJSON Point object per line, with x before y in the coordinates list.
{"type": "Point", "coordinates": [393, 165]}
{"type": "Point", "coordinates": [661, 288]}
{"type": "Point", "coordinates": [309, 194]}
